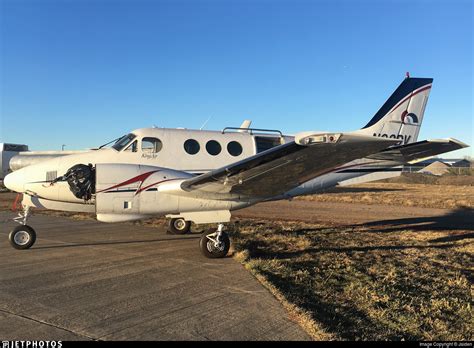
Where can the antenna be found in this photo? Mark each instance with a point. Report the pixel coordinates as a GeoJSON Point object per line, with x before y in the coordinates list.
{"type": "Point", "coordinates": [204, 124]}
{"type": "Point", "coordinates": [245, 125]}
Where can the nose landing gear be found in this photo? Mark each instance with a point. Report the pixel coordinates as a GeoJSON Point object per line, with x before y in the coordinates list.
{"type": "Point", "coordinates": [215, 244]}
{"type": "Point", "coordinates": [23, 236]}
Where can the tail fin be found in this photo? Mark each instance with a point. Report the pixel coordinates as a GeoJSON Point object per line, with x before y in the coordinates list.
{"type": "Point", "coordinates": [401, 115]}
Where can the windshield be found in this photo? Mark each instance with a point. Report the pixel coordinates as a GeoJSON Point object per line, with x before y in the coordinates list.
{"type": "Point", "coordinates": [123, 141]}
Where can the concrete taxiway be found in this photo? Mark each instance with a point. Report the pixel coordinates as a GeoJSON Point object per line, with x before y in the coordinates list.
{"type": "Point", "coordinates": [84, 280]}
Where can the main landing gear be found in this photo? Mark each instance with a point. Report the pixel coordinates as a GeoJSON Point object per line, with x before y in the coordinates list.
{"type": "Point", "coordinates": [23, 236]}
{"type": "Point", "coordinates": [179, 226]}
{"type": "Point", "coordinates": [215, 244]}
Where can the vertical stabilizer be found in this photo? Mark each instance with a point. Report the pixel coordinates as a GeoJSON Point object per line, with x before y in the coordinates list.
{"type": "Point", "coordinates": [402, 114]}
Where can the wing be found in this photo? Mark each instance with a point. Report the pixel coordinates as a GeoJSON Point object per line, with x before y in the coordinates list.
{"type": "Point", "coordinates": [418, 150]}
{"type": "Point", "coordinates": [284, 167]}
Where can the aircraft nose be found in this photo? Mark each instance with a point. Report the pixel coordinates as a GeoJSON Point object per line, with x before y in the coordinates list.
{"type": "Point", "coordinates": [14, 181]}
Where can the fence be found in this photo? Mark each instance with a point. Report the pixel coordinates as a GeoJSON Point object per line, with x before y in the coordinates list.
{"type": "Point", "coordinates": [450, 170]}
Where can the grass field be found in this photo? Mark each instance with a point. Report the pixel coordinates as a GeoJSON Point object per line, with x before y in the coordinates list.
{"type": "Point", "coordinates": [409, 279]}
{"type": "Point", "coordinates": [365, 282]}
{"type": "Point", "coordinates": [402, 193]}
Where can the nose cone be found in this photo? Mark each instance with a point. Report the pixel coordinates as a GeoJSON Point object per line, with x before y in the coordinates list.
{"type": "Point", "coordinates": [14, 181]}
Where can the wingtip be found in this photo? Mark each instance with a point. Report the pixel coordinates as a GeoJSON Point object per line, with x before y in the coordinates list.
{"type": "Point", "coordinates": [459, 143]}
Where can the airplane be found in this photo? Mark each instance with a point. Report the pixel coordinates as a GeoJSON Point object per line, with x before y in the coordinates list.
{"type": "Point", "coordinates": [202, 176]}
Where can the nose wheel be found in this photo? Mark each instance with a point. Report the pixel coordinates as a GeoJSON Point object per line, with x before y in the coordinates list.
{"type": "Point", "coordinates": [215, 244]}
{"type": "Point", "coordinates": [22, 237]}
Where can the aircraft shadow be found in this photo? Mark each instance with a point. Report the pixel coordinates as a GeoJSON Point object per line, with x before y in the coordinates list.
{"type": "Point", "coordinates": [458, 219]}
{"type": "Point", "coordinates": [291, 254]}
{"type": "Point", "coordinates": [77, 245]}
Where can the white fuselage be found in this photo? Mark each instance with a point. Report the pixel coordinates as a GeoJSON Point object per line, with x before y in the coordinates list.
{"type": "Point", "coordinates": [165, 148]}
{"type": "Point", "coordinates": [173, 154]}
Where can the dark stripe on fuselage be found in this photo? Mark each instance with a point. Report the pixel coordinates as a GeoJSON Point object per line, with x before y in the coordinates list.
{"type": "Point", "coordinates": [115, 191]}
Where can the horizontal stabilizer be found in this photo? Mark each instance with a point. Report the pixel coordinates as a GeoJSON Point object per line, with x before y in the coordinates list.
{"type": "Point", "coordinates": [421, 149]}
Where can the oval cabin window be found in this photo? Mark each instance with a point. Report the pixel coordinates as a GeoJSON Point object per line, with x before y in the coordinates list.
{"type": "Point", "coordinates": [191, 146]}
{"type": "Point", "coordinates": [234, 148]}
{"type": "Point", "coordinates": [213, 147]}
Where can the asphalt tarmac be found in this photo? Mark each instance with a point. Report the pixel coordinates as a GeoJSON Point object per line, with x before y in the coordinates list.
{"type": "Point", "coordinates": [85, 280]}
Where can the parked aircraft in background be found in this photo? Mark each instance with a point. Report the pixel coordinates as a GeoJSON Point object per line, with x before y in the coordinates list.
{"type": "Point", "coordinates": [202, 176]}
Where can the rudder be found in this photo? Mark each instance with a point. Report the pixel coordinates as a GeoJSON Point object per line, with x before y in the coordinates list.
{"type": "Point", "coordinates": [400, 117]}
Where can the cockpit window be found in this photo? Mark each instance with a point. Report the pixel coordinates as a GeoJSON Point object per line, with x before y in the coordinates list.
{"type": "Point", "coordinates": [123, 141]}
{"type": "Point", "coordinates": [132, 147]}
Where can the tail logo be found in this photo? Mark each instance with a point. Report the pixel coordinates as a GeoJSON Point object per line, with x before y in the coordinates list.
{"type": "Point", "coordinates": [409, 118]}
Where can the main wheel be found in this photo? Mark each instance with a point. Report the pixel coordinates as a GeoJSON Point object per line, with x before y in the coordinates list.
{"type": "Point", "coordinates": [179, 226]}
{"type": "Point", "coordinates": [22, 237]}
{"type": "Point", "coordinates": [213, 247]}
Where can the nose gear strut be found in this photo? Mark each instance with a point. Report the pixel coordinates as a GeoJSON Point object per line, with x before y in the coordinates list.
{"type": "Point", "coordinates": [23, 236]}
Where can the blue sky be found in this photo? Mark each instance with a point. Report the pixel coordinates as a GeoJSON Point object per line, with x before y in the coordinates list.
{"type": "Point", "coordinates": [83, 72]}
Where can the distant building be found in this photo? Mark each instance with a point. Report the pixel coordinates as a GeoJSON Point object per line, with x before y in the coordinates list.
{"type": "Point", "coordinates": [7, 151]}
{"type": "Point", "coordinates": [464, 163]}
{"type": "Point", "coordinates": [452, 162]}
{"type": "Point", "coordinates": [435, 168]}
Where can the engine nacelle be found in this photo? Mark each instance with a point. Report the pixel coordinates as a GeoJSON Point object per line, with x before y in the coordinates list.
{"type": "Point", "coordinates": [131, 192]}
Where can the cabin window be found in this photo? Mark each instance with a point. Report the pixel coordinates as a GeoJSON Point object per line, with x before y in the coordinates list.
{"type": "Point", "coordinates": [151, 145]}
{"type": "Point", "coordinates": [213, 147]}
{"type": "Point", "coordinates": [191, 146]}
{"type": "Point", "coordinates": [234, 148]}
{"type": "Point", "coordinates": [266, 143]}
{"type": "Point", "coordinates": [132, 147]}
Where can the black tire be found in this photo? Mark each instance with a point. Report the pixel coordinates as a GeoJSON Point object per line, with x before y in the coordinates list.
{"type": "Point", "coordinates": [22, 237]}
{"type": "Point", "coordinates": [208, 248]}
{"type": "Point", "coordinates": [179, 226]}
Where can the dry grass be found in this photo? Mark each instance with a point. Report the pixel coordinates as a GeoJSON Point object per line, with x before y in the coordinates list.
{"type": "Point", "coordinates": [297, 314]}
{"type": "Point", "coordinates": [365, 283]}
{"type": "Point", "coordinates": [419, 195]}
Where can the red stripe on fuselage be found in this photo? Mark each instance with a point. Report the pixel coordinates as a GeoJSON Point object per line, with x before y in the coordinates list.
{"type": "Point", "coordinates": [141, 177]}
